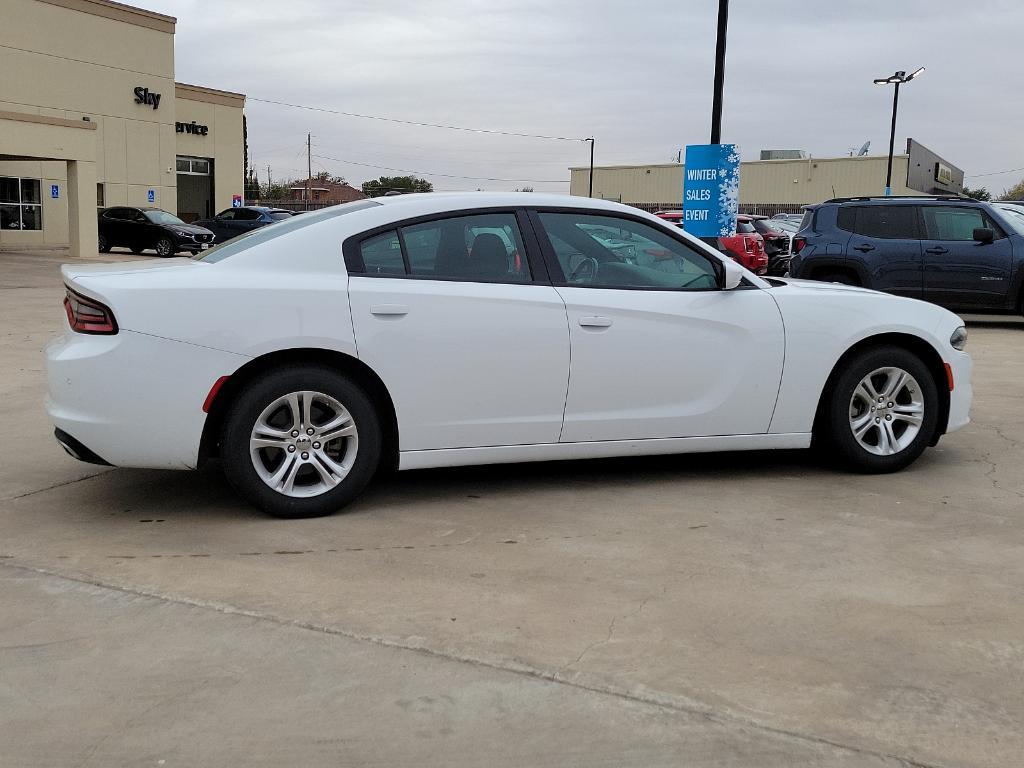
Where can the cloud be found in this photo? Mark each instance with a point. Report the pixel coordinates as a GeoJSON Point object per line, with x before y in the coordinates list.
{"type": "Point", "coordinates": [637, 76]}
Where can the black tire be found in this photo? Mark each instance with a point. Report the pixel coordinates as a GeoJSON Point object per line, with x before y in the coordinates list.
{"type": "Point", "coordinates": [835, 431]}
{"type": "Point", "coordinates": [260, 394]}
{"type": "Point", "coordinates": [838, 277]}
{"type": "Point", "coordinates": [164, 247]}
{"type": "Point", "coordinates": [102, 245]}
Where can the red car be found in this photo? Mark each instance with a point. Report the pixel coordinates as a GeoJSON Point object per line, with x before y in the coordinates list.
{"type": "Point", "coordinates": [745, 247]}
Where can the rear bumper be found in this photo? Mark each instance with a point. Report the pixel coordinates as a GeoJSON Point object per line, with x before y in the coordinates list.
{"type": "Point", "coordinates": [130, 399]}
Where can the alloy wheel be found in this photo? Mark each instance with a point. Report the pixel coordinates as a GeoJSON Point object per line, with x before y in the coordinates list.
{"type": "Point", "coordinates": [164, 247]}
{"type": "Point", "coordinates": [886, 411]}
{"type": "Point", "coordinates": [304, 444]}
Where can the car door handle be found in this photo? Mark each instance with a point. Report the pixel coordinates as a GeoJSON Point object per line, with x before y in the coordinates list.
{"type": "Point", "coordinates": [595, 321]}
{"type": "Point", "coordinates": [389, 310]}
{"type": "Point", "coordinates": [864, 247]}
{"type": "Point", "coordinates": [936, 249]}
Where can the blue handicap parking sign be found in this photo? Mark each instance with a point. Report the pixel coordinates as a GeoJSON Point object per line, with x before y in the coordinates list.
{"type": "Point", "coordinates": [54, 191]}
{"type": "Point", "coordinates": [151, 195]}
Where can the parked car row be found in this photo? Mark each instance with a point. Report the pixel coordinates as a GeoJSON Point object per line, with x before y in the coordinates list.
{"type": "Point", "coordinates": [746, 247]}
{"type": "Point", "coordinates": [963, 254]}
{"type": "Point", "coordinates": [140, 229]}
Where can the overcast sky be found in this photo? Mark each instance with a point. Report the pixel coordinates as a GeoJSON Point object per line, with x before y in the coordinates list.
{"type": "Point", "coordinates": [636, 75]}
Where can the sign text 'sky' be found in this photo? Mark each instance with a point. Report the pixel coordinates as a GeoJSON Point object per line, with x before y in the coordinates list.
{"type": "Point", "coordinates": [145, 96]}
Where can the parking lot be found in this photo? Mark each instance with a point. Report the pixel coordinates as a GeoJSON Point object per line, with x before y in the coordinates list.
{"type": "Point", "coordinates": [748, 609]}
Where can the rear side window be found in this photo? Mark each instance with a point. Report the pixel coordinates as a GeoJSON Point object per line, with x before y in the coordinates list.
{"type": "Point", "coordinates": [888, 222]}
{"type": "Point", "coordinates": [949, 222]}
{"type": "Point", "coordinates": [485, 247]}
{"type": "Point", "coordinates": [382, 254]}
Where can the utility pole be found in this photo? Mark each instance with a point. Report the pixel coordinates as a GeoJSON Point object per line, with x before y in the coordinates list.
{"type": "Point", "coordinates": [716, 104]}
{"type": "Point", "coordinates": [309, 165]}
{"type": "Point", "coordinates": [269, 184]}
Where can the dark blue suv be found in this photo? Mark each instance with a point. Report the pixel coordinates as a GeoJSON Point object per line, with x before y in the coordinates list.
{"type": "Point", "coordinates": [965, 255]}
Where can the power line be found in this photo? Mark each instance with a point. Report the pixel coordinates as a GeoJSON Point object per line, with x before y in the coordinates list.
{"type": "Point", "coordinates": [994, 173]}
{"type": "Point", "coordinates": [445, 175]}
{"type": "Point", "coordinates": [412, 122]}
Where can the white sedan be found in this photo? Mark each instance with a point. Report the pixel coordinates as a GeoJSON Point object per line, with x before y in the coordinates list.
{"type": "Point", "coordinates": [451, 329]}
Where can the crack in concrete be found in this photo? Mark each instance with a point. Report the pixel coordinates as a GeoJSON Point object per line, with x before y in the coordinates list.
{"type": "Point", "coordinates": [57, 485]}
{"type": "Point", "coordinates": [666, 701]}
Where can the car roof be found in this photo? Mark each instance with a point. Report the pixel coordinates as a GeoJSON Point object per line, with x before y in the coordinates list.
{"type": "Point", "coordinates": [425, 203]}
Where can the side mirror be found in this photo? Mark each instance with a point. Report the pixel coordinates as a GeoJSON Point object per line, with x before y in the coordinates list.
{"type": "Point", "coordinates": [733, 274]}
{"type": "Point", "coordinates": [984, 235]}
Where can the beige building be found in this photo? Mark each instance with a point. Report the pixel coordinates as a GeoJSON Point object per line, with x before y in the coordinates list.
{"type": "Point", "coordinates": [90, 115]}
{"type": "Point", "coordinates": [772, 186]}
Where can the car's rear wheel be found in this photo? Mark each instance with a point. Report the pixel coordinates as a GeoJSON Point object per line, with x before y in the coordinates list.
{"type": "Point", "coordinates": [164, 247]}
{"type": "Point", "coordinates": [302, 442]}
{"type": "Point", "coordinates": [881, 411]}
{"type": "Point", "coordinates": [102, 245]}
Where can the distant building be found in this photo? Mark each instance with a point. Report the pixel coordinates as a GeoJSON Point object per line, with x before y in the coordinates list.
{"type": "Point", "coordinates": [773, 186]}
{"type": "Point", "coordinates": [323, 192]}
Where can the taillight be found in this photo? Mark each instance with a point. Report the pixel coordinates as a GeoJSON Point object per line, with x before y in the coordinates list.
{"type": "Point", "coordinates": [87, 315]}
{"type": "Point", "coordinates": [798, 244]}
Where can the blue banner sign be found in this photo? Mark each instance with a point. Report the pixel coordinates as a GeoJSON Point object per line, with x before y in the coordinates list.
{"type": "Point", "coordinates": [711, 189]}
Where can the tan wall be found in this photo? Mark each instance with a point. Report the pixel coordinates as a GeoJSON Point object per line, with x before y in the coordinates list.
{"type": "Point", "coordinates": [223, 142]}
{"type": "Point", "coordinates": [764, 181]}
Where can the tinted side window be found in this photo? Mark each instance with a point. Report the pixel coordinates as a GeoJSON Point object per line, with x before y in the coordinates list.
{"type": "Point", "coordinates": [890, 222]}
{"type": "Point", "coordinates": [948, 222]}
{"type": "Point", "coordinates": [610, 252]}
{"type": "Point", "coordinates": [846, 218]}
{"type": "Point", "coordinates": [246, 214]}
{"type": "Point", "coordinates": [227, 215]}
{"type": "Point", "coordinates": [486, 247]}
{"type": "Point", "coordinates": [382, 254]}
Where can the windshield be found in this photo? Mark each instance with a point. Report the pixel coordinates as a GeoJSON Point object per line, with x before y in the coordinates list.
{"type": "Point", "coordinates": [280, 215]}
{"type": "Point", "coordinates": [162, 217]}
{"type": "Point", "coordinates": [271, 231]}
{"type": "Point", "coordinates": [1014, 216]}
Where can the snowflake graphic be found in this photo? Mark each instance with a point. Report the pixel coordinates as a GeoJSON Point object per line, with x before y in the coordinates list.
{"type": "Point", "coordinates": [729, 190]}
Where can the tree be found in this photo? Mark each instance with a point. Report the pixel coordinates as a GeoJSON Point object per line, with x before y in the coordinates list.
{"type": "Point", "coordinates": [252, 187]}
{"type": "Point", "coordinates": [978, 194]}
{"type": "Point", "coordinates": [329, 178]}
{"type": "Point", "coordinates": [1016, 192]}
{"type": "Point", "coordinates": [278, 190]}
{"type": "Point", "coordinates": [403, 184]}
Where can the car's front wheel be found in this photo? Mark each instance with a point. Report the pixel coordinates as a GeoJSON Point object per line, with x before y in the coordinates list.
{"type": "Point", "coordinates": [881, 411]}
{"type": "Point", "coordinates": [164, 247]}
{"type": "Point", "coordinates": [302, 442]}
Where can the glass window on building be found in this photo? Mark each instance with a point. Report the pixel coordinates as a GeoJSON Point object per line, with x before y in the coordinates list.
{"type": "Point", "coordinates": [20, 204]}
{"type": "Point", "coordinates": [100, 196]}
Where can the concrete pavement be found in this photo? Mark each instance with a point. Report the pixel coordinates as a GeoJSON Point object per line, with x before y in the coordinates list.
{"type": "Point", "coordinates": [738, 609]}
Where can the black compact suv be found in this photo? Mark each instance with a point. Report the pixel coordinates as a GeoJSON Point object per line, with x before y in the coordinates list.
{"type": "Point", "coordinates": [963, 254]}
{"type": "Point", "coordinates": [142, 228]}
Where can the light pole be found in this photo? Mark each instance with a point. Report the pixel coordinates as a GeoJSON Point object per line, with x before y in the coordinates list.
{"type": "Point", "coordinates": [897, 79]}
{"type": "Point", "coordinates": [716, 103]}
{"type": "Point", "coordinates": [590, 191]}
